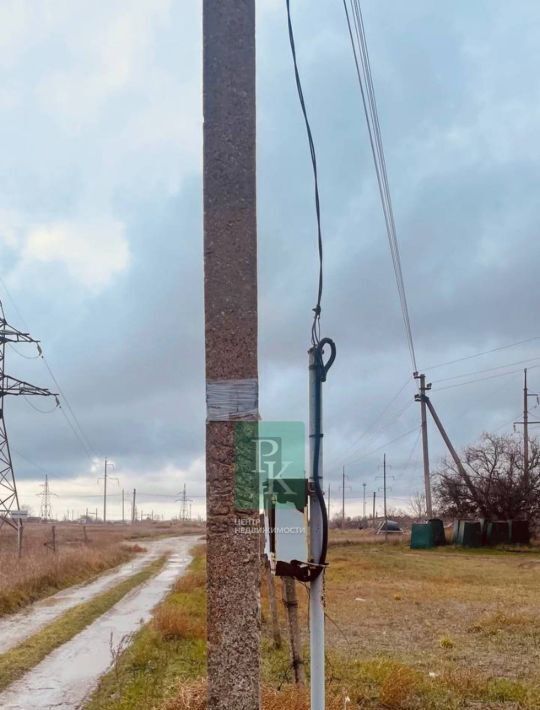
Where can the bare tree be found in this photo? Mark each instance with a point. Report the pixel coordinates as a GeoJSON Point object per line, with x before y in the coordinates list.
{"type": "Point", "coordinates": [417, 504]}
{"type": "Point", "coordinates": [493, 484]}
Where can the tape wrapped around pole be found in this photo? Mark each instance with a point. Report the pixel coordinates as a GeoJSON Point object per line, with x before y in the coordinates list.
{"type": "Point", "coordinates": [232, 400]}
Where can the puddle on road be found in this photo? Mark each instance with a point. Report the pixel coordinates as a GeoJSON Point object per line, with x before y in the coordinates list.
{"type": "Point", "coordinates": [69, 674]}
{"type": "Point", "coordinates": [17, 627]}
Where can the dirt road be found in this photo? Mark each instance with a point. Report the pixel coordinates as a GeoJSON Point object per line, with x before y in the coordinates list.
{"type": "Point", "coordinates": [17, 627]}
{"type": "Point", "coordinates": [69, 674]}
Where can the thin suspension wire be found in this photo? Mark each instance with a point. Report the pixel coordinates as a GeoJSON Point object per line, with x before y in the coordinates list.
{"type": "Point", "coordinates": [365, 80]}
{"type": "Point", "coordinates": [388, 443]}
{"type": "Point", "coordinates": [315, 329]}
{"type": "Point", "coordinates": [377, 431]}
{"type": "Point", "coordinates": [371, 427]}
{"type": "Point", "coordinates": [89, 448]}
{"type": "Point", "coordinates": [77, 428]}
{"type": "Point", "coordinates": [20, 354]}
{"type": "Point", "coordinates": [484, 379]}
{"type": "Point", "coordinates": [486, 369]}
{"type": "Point", "coordinates": [483, 352]}
{"type": "Point", "coordinates": [38, 409]}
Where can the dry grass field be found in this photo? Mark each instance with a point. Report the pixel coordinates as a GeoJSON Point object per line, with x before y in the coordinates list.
{"type": "Point", "coordinates": [438, 629]}
{"type": "Point", "coordinates": [445, 628]}
{"type": "Point", "coordinates": [42, 572]}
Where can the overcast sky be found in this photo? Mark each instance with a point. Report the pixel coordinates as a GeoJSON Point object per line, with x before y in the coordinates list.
{"type": "Point", "coordinates": [101, 232]}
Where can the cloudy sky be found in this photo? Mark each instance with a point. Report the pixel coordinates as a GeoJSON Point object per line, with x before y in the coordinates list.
{"type": "Point", "coordinates": [101, 233]}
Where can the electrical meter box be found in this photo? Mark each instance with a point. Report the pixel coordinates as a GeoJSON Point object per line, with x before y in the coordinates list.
{"type": "Point", "coordinates": [283, 486]}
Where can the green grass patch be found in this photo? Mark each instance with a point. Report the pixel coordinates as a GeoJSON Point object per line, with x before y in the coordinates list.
{"type": "Point", "coordinates": [165, 652]}
{"type": "Point", "coordinates": [22, 658]}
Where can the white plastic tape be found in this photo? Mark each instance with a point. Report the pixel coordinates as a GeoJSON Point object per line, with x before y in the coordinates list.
{"type": "Point", "coordinates": [232, 400]}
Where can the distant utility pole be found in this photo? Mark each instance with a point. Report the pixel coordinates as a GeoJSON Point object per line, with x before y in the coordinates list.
{"type": "Point", "coordinates": [526, 422]}
{"type": "Point", "coordinates": [134, 507]}
{"type": "Point", "coordinates": [374, 498]}
{"type": "Point", "coordinates": [343, 487]}
{"type": "Point", "coordinates": [384, 484]}
{"type": "Point", "coordinates": [364, 486]}
{"type": "Point", "coordinates": [343, 498]}
{"type": "Point", "coordinates": [421, 397]}
{"type": "Point", "coordinates": [385, 491]}
{"type": "Point", "coordinates": [123, 516]}
{"type": "Point", "coordinates": [230, 270]}
{"type": "Point", "coordinates": [10, 386]}
{"type": "Point", "coordinates": [328, 504]}
{"type": "Point", "coordinates": [105, 478]}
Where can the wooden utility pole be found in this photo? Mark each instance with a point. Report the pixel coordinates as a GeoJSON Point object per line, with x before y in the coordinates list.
{"type": "Point", "coordinates": [526, 422]}
{"type": "Point", "coordinates": [105, 492]}
{"type": "Point", "coordinates": [106, 477]}
{"type": "Point", "coordinates": [291, 605]}
{"type": "Point", "coordinates": [276, 631]}
{"type": "Point", "coordinates": [421, 397]}
{"type": "Point", "coordinates": [525, 431]}
{"type": "Point", "coordinates": [384, 488]}
{"type": "Point", "coordinates": [328, 506]}
{"type": "Point", "coordinates": [19, 538]}
{"type": "Point", "coordinates": [230, 267]}
{"type": "Point", "coordinates": [343, 498]}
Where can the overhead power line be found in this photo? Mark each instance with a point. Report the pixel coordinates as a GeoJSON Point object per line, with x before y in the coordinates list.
{"type": "Point", "coordinates": [79, 432]}
{"type": "Point", "coordinates": [383, 446]}
{"type": "Point", "coordinates": [483, 352]}
{"type": "Point", "coordinates": [73, 423]}
{"type": "Point", "coordinates": [352, 447]}
{"type": "Point", "coordinates": [486, 369]}
{"type": "Point", "coordinates": [365, 80]}
{"type": "Point", "coordinates": [484, 379]}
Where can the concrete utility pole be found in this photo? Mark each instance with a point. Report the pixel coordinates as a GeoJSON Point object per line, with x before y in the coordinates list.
{"type": "Point", "coordinates": [374, 499]}
{"type": "Point", "coordinates": [134, 507]}
{"type": "Point", "coordinates": [230, 267]}
{"type": "Point", "coordinates": [526, 422]}
{"type": "Point", "coordinates": [421, 397]}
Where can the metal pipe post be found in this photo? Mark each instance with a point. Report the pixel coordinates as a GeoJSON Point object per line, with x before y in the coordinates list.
{"type": "Point", "coordinates": [316, 597]}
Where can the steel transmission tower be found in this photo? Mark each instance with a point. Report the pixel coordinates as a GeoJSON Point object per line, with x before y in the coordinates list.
{"type": "Point", "coordinates": [9, 500]}
{"type": "Point", "coordinates": [45, 495]}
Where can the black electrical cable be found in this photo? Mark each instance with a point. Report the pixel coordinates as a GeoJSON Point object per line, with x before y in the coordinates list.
{"type": "Point", "coordinates": [315, 329]}
{"type": "Point", "coordinates": [321, 367]}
